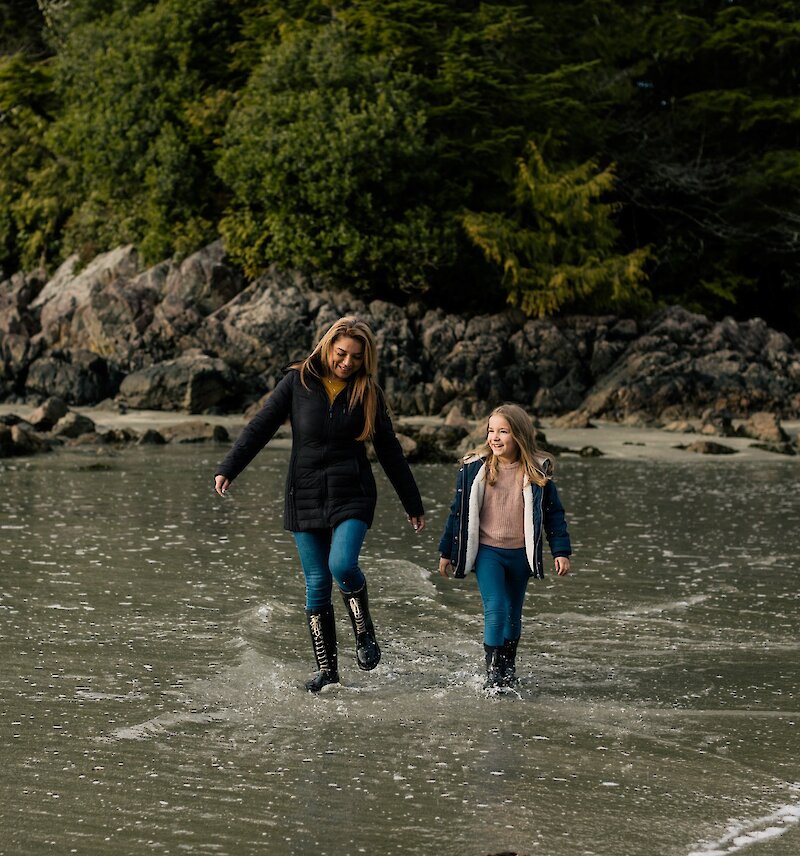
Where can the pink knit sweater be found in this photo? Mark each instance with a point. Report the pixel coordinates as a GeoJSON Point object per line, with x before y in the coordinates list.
{"type": "Point", "coordinates": [502, 515]}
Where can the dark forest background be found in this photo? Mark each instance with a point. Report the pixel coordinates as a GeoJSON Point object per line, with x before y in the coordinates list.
{"type": "Point", "coordinates": [564, 156]}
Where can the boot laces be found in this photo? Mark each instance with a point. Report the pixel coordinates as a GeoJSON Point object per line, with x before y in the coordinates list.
{"type": "Point", "coordinates": [358, 615]}
{"type": "Point", "coordinates": [319, 643]}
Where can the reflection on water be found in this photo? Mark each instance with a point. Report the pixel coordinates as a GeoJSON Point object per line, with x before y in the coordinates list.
{"type": "Point", "coordinates": [154, 649]}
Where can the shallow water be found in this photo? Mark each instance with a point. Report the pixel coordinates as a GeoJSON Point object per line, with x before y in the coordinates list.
{"type": "Point", "coordinates": [153, 652]}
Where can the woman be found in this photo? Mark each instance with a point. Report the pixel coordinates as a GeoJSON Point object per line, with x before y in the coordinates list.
{"type": "Point", "coordinates": [505, 500]}
{"type": "Point", "coordinates": [335, 405]}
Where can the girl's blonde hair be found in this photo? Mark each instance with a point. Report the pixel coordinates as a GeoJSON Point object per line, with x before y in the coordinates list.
{"type": "Point", "coordinates": [538, 466]}
{"type": "Point", "coordinates": [364, 386]}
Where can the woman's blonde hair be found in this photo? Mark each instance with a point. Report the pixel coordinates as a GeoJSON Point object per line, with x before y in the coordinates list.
{"type": "Point", "coordinates": [536, 465]}
{"type": "Point", "coordinates": [363, 386]}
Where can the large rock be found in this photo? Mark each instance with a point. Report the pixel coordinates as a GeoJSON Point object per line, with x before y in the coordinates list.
{"type": "Point", "coordinates": [73, 425]}
{"type": "Point", "coordinates": [202, 284]}
{"type": "Point", "coordinates": [400, 367]}
{"type": "Point", "coordinates": [763, 426]}
{"type": "Point", "coordinates": [16, 296]}
{"type": "Point", "coordinates": [17, 327]}
{"type": "Point", "coordinates": [204, 280]}
{"type": "Point", "coordinates": [70, 289]}
{"type": "Point", "coordinates": [262, 329]}
{"type": "Point", "coordinates": [547, 372]}
{"type": "Point", "coordinates": [25, 440]}
{"type": "Point", "coordinates": [194, 383]}
{"type": "Point", "coordinates": [48, 414]}
{"type": "Point", "coordinates": [17, 352]}
{"type": "Point", "coordinates": [685, 364]}
{"type": "Point", "coordinates": [195, 432]}
{"type": "Point", "coordinates": [115, 317]}
{"type": "Point", "coordinates": [77, 377]}
{"type": "Point", "coordinates": [6, 441]}
{"type": "Point", "coordinates": [130, 318]}
{"type": "Point", "coordinates": [475, 366]}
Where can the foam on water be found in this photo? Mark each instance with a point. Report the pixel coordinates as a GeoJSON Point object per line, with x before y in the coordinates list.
{"type": "Point", "coordinates": [746, 833]}
{"type": "Point", "coordinates": [160, 725]}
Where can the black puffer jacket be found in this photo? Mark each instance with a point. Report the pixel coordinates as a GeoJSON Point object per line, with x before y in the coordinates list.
{"type": "Point", "coordinates": [330, 479]}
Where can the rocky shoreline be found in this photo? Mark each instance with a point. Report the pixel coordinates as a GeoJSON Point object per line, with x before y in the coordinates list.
{"type": "Point", "coordinates": [195, 338]}
{"type": "Point", "coordinates": [26, 431]}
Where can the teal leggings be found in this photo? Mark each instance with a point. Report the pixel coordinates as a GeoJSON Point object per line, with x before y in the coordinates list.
{"type": "Point", "coordinates": [502, 580]}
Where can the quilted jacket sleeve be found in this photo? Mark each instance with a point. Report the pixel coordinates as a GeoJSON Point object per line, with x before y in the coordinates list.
{"type": "Point", "coordinates": [261, 428]}
{"type": "Point", "coordinates": [450, 527]}
{"type": "Point", "coordinates": [391, 457]}
{"type": "Point", "coordinates": [555, 522]}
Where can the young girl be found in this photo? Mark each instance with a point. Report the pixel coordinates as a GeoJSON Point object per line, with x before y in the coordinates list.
{"type": "Point", "coordinates": [334, 404]}
{"type": "Point", "coordinates": [505, 501]}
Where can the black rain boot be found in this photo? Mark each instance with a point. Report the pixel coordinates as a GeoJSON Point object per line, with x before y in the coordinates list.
{"type": "Point", "coordinates": [494, 667]}
{"type": "Point", "coordinates": [368, 654]}
{"type": "Point", "coordinates": [509, 654]}
{"type": "Point", "coordinates": [322, 627]}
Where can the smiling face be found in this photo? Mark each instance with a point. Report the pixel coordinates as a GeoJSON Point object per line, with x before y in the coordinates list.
{"type": "Point", "coordinates": [500, 441]}
{"type": "Point", "coordinates": [346, 357]}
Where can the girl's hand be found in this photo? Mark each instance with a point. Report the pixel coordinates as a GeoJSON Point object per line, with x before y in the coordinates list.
{"type": "Point", "coordinates": [562, 565]}
{"type": "Point", "coordinates": [445, 566]}
{"type": "Point", "coordinates": [221, 485]}
{"type": "Point", "coordinates": [417, 522]}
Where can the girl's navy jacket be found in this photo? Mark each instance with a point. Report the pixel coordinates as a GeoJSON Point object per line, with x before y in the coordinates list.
{"type": "Point", "coordinates": [543, 513]}
{"type": "Point", "coordinates": [330, 479]}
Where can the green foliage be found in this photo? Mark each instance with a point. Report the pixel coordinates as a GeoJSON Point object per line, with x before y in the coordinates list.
{"type": "Point", "coordinates": [466, 88]}
{"type": "Point", "coordinates": [139, 124]}
{"type": "Point", "coordinates": [559, 248]}
{"type": "Point", "coordinates": [30, 214]}
{"type": "Point", "coordinates": [327, 159]}
{"type": "Point", "coordinates": [349, 137]}
{"type": "Point", "coordinates": [490, 79]}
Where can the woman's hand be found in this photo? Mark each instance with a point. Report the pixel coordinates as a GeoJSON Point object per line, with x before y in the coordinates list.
{"type": "Point", "coordinates": [562, 565]}
{"type": "Point", "coordinates": [221, 485]}
{"type": "Point", "coordinates": [445, 566]}
{"type": "Point", "coordinates": [417, 522]}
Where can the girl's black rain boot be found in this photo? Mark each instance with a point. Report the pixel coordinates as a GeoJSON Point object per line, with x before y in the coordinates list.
{"type": "Point", "coordinates": [368, 654]}
{"type": "Point", "coordinates": [509, 658]}
{"type": "Point", "coordinates": [494, 667]}
{"type": "Point", "coordinates": [322, 627]}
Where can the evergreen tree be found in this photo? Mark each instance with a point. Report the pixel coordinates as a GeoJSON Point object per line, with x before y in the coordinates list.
{"type": "Point", "coordinates": [559, 248]}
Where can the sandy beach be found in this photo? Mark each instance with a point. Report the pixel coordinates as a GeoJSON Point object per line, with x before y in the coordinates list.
{"type": "Point", "coordinates": [623, 441]}
{"type": "Point", "coordinates": [613, 440]}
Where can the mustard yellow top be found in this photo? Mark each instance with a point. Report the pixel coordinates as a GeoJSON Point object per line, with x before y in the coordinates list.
{"type": "Point", "coordinates": [333, 387]}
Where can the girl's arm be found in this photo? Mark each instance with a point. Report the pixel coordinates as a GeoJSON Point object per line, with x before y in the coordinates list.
{"type": "Point", "coordinates": [446, 541]}
{"type": "Point", "coordinates": [555, 523]}
{"type": "Point", "coordinates": [259, 431]}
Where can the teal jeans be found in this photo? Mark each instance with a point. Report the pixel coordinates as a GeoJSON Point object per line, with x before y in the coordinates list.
{"type": "Point", "coordinates": [502, 580]}
{"type": "Point", "coordinates": [331, 554]}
